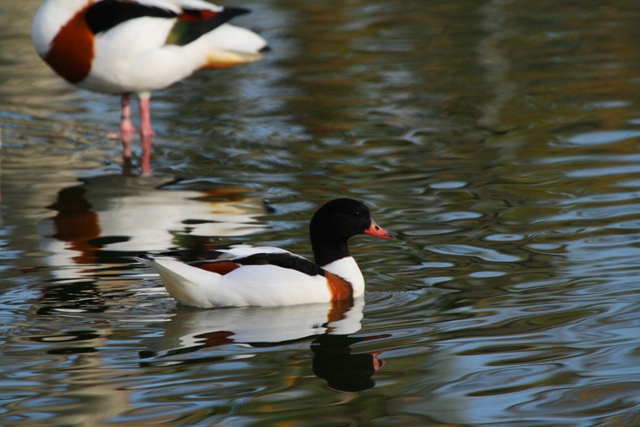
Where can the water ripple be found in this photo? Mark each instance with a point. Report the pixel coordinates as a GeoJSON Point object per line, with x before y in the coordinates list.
{"type": "Point", "coordinates": [504, 156]}
{"type": "Point", "coordinates": [472, 251]}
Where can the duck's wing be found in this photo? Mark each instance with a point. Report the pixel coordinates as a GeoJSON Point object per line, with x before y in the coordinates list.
{"type": "Point", "coordinates": [193, 18]}
{"type": "Point", "coordinates": [107, 14]}
{"type": "Point", "coordinates": [228, 260]}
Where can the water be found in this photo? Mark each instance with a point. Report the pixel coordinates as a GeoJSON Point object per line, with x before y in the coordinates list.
{"type": "Point", "coordinates": [500, 139]}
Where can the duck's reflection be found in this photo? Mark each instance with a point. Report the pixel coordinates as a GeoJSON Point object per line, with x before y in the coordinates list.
{"type": "Point", "coordinates": [108, 218]}
{"type": "Point", "coordinates": [334, 362]}
{"type": "Point", "coordinates": [331, 324]}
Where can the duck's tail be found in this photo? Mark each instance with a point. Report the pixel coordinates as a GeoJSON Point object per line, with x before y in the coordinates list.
{"type": "Point", "coordinates": [182, 281]}
{"type": "Point", "coordinates": [227, 46]}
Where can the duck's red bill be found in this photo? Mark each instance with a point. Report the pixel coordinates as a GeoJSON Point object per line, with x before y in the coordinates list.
{"type": "Point", "coordinates": [377, 231]}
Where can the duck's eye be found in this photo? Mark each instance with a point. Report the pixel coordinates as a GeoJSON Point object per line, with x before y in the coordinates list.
{"type": "Point", "coordinates": [358, 214]}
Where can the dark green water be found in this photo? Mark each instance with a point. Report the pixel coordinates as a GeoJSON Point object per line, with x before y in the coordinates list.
{"type": "Point", "coordinates": [500, 139]}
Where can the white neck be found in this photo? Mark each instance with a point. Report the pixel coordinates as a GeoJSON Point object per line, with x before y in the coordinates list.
{"type": "Point", "coordinates": [348, 270]}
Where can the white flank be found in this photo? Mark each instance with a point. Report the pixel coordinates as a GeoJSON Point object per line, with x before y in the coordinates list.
{"type": "Point", "coordinates": [252, 285]}
{"type": "Point", "coordinates": [132, 57]}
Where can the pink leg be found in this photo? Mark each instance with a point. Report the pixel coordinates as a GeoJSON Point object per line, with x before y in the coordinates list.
{"type": "Point", "coordinates": [146, 134]}
{"type": "Point", "coordinates": [126, 128]}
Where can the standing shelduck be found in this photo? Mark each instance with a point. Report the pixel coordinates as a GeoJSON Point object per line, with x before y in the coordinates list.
{"type": "Point", "coordinates": [138, 46]}
{"type": "Point", "coordinates": [266, 276]}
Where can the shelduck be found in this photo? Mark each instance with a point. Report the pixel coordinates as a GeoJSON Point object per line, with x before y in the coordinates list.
{"type": "Point", "coordinates": [268, 276]}
{"type": "Point", "coordinates": [137, 46]}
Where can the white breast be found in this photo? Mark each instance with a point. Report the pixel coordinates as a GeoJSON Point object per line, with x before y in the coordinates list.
{"type": "Point", "coordinates": [348, 269]}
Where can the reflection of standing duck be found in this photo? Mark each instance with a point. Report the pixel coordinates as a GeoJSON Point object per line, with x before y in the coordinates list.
{"type": "Point", "coordinates": [124, 47]}
{"type": "Point", "coordinates": [108, 218]}
{"type": "Point", "coordinates": [267, 276]}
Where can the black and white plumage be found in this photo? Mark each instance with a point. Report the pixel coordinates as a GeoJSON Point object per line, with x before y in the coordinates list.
{"type": "Point", "coordinates": [268, 276]}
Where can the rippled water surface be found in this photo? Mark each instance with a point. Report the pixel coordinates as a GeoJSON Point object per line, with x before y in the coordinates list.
{"type": "Point", "coordinates": [500, 139]}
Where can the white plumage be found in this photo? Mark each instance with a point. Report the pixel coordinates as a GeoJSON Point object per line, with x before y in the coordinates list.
{"type": "Point", "coordinates": [251, 285]}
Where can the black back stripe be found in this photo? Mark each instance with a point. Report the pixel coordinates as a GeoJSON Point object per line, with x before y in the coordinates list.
{"type": "Point", "coordinates": [106, 14]}
{"type": "Point", "coordinates": [283, 260]}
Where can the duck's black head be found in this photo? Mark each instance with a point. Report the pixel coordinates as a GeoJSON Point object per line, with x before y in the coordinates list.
{"type": "Point", "coordinates": [337, 221]}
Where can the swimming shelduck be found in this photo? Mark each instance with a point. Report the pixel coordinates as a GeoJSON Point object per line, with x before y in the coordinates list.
{"type": "Point", "coordinates": [267, 276]}
{"type": "Point", "coordinates": [138, 46]}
